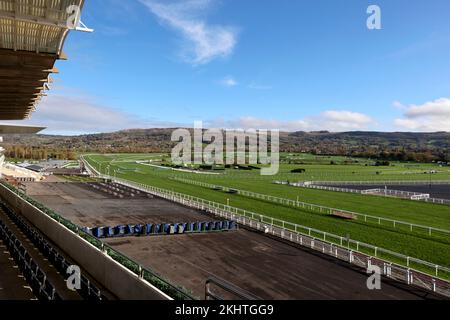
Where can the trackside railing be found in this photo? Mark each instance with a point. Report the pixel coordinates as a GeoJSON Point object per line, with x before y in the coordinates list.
{"type": "Point", "coordinates": [381, 182]}
{"type": "Point", "coordinates": [396, 193]}
{"type": "Point", "coordinates": [378, 192]}
{"type": "Point", "coordinates": [144, 273]}
{"type": "Point", "coordinates": [394, 265]}
{"type": "Point", "coordinates": [322, 209]}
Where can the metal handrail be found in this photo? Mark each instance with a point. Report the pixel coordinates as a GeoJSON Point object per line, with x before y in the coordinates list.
{"type": "Point", "coordinates": [227, 286]}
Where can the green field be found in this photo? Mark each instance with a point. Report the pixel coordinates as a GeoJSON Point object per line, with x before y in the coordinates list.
{"type": "Point", "coordinates": [417, 244]}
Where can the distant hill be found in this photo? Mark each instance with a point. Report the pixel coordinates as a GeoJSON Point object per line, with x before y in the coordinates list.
{"type": "Point", "coordinates": [395, 145]}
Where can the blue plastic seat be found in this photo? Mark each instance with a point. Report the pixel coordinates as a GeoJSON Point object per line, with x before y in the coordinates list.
{"type": "Point", "coordinates": [182, 227]}
{"type": "Point", "coordinates": [97, 232]}
{"type": "Point", "coordinates": [119, 230]}
{"type": "Point", "coordinates": [166, 228]}
{"type": "Point", "coordinates": [108, 232]}
{"type": "Point", "coordinates": [129, 229]}
{"type": "Point", "coordinates": [138, 229]}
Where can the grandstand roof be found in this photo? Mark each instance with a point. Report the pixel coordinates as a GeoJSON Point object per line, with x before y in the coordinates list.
{"type": "Point", "coordinates": [15, 129]}
{"type": "Point", "coordinates": [32, 35]}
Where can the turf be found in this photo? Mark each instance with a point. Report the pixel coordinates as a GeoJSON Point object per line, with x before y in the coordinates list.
{"type": "Point", "coordinates": [420, 245]}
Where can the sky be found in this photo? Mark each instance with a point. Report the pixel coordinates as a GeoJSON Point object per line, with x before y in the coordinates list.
{"type": "Point", "coordinates": [295, 65]}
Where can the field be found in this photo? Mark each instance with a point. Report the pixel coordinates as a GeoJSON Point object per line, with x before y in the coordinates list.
{"type": "Point", "coordinates": [418, 244]}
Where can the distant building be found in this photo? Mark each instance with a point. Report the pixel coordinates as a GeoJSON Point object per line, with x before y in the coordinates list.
{"type": "Point", "coordinates": [19, 174]}
{"type": "Point", "coordinates": [35, 168]}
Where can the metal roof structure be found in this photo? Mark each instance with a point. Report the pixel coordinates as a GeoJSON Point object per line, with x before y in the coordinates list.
{"type": "Point", "coordinates": [15, 129]}
{"type": "Point", "coordinates": [32, 35]}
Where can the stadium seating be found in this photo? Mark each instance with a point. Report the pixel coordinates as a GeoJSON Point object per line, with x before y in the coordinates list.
{"type": "Point", "coordinates": [163, 229]}
{"type": "Point", "coordinates": [37, 278]}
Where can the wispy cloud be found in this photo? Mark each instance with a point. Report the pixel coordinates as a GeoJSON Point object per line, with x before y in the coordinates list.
{"type": "Point", "coordinates": [398, 105]}
{"type": "Point", "coordinates": [204, 42]}
{"type": "Point", "coordinates": [228, 82]}
{"type": "Point", "coordinates": [429, 117]}
{"type": "Point", "coordinates": [332, 120]}
{"type": "Point", "coordinates": [67, 114]}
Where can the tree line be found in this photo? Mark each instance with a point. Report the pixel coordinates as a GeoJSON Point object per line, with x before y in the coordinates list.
{"type": "Point", "coordinates": [38, 153]}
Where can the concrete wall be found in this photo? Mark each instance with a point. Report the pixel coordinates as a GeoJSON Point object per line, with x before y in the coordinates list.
{"type": "Point", "coordinates": [112, 275]}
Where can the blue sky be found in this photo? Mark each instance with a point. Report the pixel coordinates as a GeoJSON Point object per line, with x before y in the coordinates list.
{"type": "Point", "coordinates": [286, 64]}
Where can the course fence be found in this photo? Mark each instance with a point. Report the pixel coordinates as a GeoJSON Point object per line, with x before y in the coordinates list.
{"type": "Point", "coordinates": [407, 226]}
{"type": "Point", "coordinates": [396, 193]}
{"type": "Point", "coordinates": [380, 182]}
{"type": "Point", "coordinates": [384, 192]}
{"type": "Point", "coordinates": [393, 265]}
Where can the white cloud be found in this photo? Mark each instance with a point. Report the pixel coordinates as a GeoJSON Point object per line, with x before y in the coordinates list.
{"type": "Point", "coordinates": [332, 120]}
{"type": "Point", "coordinates": [229, 82]}
{"type": "Point", "coordinates": [429, 117]}
{"type": "Point", "coordinates": [398, 105]}
{"type": "Point", "coordinates": [70, 115]}
{"type": "Point", "coordinates": [205, 42]}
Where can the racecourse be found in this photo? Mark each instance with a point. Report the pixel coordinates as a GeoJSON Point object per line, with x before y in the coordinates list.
{"type": "Point", "coordinates": [432, 248]}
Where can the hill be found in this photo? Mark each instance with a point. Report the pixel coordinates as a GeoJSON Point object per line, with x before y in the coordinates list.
{"type": "Point", "coordinates": [386, 145]}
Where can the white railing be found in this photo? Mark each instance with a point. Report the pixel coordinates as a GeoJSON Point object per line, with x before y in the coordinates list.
{"type": "Point", "coordinates": [397, 193]}
{"type": "Point", "coordinates": [380, 182]}
{"type": "Point", "coordinates": [389, 193]}
{"type": "Point", "coordinates": [322, 209]}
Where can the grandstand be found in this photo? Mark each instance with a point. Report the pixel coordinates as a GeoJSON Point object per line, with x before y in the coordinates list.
{"type": "Point", "coordinates": [32, 36]}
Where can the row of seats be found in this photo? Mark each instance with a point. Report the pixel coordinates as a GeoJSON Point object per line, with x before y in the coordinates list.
{"type": "Point", "coordinates": [118, 190]}
{"type": "Point", "coordinates": [88, 291]}
{"type": "Point", "coordinates": [125, 188]}
{"type": "Point", "coordinates": [161, 229]}
{"type": "Point", "coordinates": [35, 277]}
